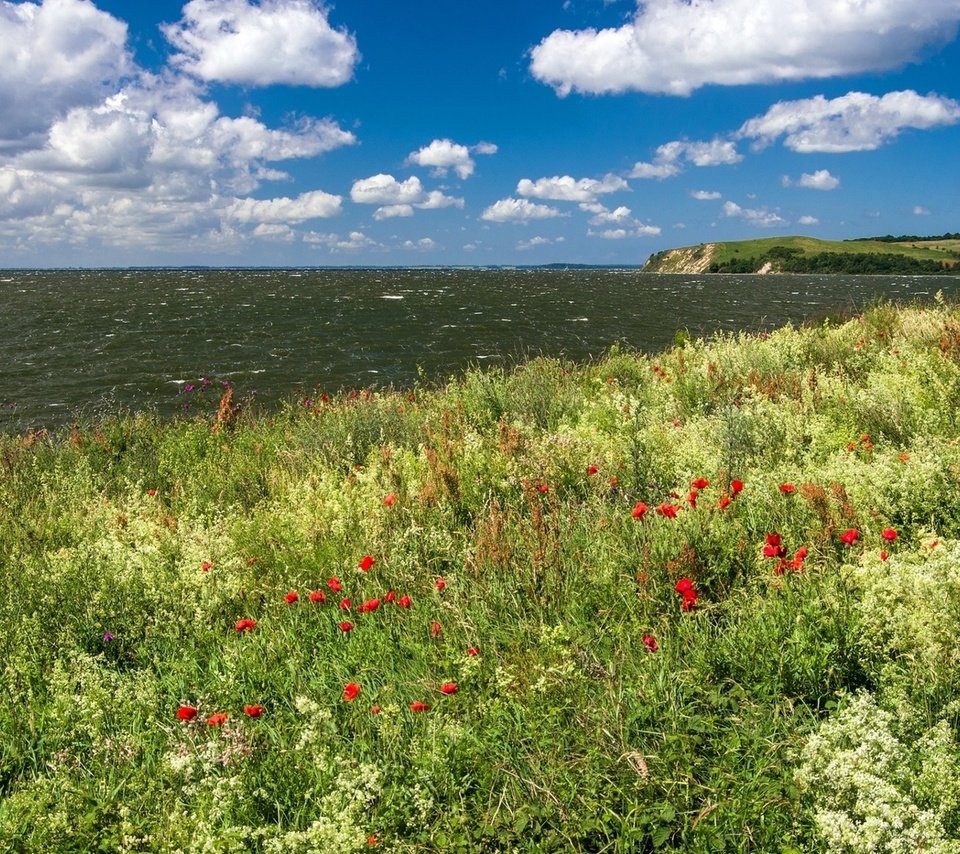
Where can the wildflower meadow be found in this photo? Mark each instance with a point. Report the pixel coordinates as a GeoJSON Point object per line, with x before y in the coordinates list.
{"type": "Point", "coordinates": [703, 600]}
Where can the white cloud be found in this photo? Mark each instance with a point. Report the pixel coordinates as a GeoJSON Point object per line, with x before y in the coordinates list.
{"type": "Point", "coordinates": [705, 195]}
{"type": "Point", "coordinates": [676, 46]}
{"type": "Point", "coordinates": [755, 216]}
{"type": "Point", "coordinates": [604, 216]}
{"type": "Point", "coordinates": [853, 122]}
{"type": "Point", "coordinates": [819, 180]}
{"type": "Point", "coordinates": [517, 210]}
{"type": "Point", "coordinates": [610, 234]}
{"type": "Point", "coordinates": [567, 189]}
{"type": "Point", "coordinates": [356, 241]}
{"type": "Point", "coordinates": [391, 211]}
{"type": "Point", "coordinates": [275, 232]}
{"type": "Point", "coordinates": [398, 198]}
{"type": "Point", "coordinates": [312, 205]}
{"type": "Point", "coordinates": [648, 230]}
{"type": "Point", "coordinates": [445, 154]}
{"type": "Point", "coordinates": [536, 242]}
{"type": "Point", "coordinates": [424, 244]}
{"type": "Point", "coordinates": [919, 210]}
{"type": "Point", "coordinates": [275, 41]}
{"type": "Point", "coordinates": [669, 157]}
{"type": "Point", "coordinates": [808, 220]}
{"type": "Point", "coordinates": [55, 55]}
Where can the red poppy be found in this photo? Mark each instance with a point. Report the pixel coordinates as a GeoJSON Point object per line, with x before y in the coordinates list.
{"type": "Point", "coordinates": [689, 600]}
{"type": "Point", "coordinates": [435, 629]}
{"type": "Point", "coordinates": [724, 502]}
{"type": "Point", "coordinates": [787, 488]}
{"type": "Point", "coordinates": [613, 482]}
{"type": "Point", "coordinates": [473, 651]}
{"type": "Point", "coordinates": [318, 596]}
{"type": "Point", "coordinates": [206, 566]}
{"type": "Point", "coordinates": [448, 688]}
{"type": "Point", "coordinates": [368, 606]}
{"type": "Point", "coordinates": [345, 626]}
{"type": "Point", "coordinates": [418, 706]}
{"type": "Point", "coordinates": [683, 585]}
{"type": "Point", "coordinates": [345, 604]}
{"type": "Point", "coordinates": [334, 584]}
{"type": "Point", "coordinates": [151, 492]}
{"type": "Point", "coordinates": [889, 534]}
{"type": "Point", "coordinates": [390, 500]}
{"type": "Point", "coordinates": [773, 546]}
{"type": "Point", "coordinates": [544, 489]}
{"type": "Point", "coordinates": [375, 710]}
{"type": "Point", "coordinates": [372, 841]}
{"type": "Point", "coordinates": [592, 469]}
{"type": "Point", "coordinates": [350, 691]}
{"type": "Point", "coordinates": [186, 713]}
{"type": "Point", "coordinates": [850, 536]}
{"type": "Point", "coordinates": [291, 597]}
{"type": "Point", "coordinates": [668, 510]}
{"type": "Point", "coordinates": [640, 509]}
{"type": "Point", "coordinates": [883, 555]}
{"type": "Point", "coordinates": [692, 498]}
{"type": "Point", "coordinates": [245, 625]}
{"type": "Point", "coordinates": [404, 602]}
{"type": "Point", "coordinates": [366, 562]}
{"type": "Point", "coordinates": [650, 642]}
{"type": "Point", "coordinates": [253, 711]}
{"type": "Point", "coordinates": [736, 487]}
{"type": "Point", "coordinates": [391, 596]}
{"type": "Point", "coordinates": [700, 483]}
{"type": "Point", "coordinates": [217, 719]}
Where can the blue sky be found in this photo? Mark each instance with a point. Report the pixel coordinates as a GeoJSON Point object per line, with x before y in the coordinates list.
{"type": "Point", "coordinates": [293, 132]}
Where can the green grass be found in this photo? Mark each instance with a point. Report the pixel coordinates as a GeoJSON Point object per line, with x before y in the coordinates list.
{"type": "Point", "coordinates": [795, 706]}
{"type": "Point", "coordinates": [725, 252]}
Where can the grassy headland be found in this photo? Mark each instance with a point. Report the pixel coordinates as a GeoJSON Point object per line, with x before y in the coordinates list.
{"type": "Point", "coordinates": [810, 255]}
{"type": "Point", "coordinates": [703, 601]}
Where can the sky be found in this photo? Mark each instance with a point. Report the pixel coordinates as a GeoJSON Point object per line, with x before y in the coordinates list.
{"type": "Point", "coordinates": [436, 132]}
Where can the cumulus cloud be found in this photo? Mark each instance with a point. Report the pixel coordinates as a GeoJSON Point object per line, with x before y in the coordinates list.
{"type": "Point", "coordinates": [669, 158]}
{"type": "Point", "coordinates": [398, 198]}
{"type": "Point", "coordinates": [853, 122]}
{"type": "Point", "coordinates": [704, 195]}
{"type": "Point", "coordinates": [754, 216]}
{"type": "Point", "coordinates": [518, 210]}
{"type": "Point", "coordinates": [536, 242]}
{"type": "Point", "coordinates": [55, 55]}
{"type": "Point", "coordinates": [313, 205]}
{"type": "Point", "coordinates": [621, 217]}
{"type": "Point", "coordinates": [919, 210]}
{"type": "Point", "coordinates": [445, 154]}
{"type": "Point", "coordinates": [819, 180]}
{"type": "Point", "coordinates": [567, 189]}
{"type": "Point", "coordinates": [356, 241]}
{"type": "Point", "coordinates": [604, 216]}
{"type": "Point", "coordinates": [275, 41]}
{"type": "Point", "coordinates": [675, 46]}
{"type": "Point", "coordinates": [424, 244]}
{"type": "Point", "coordinates": [808, 220]}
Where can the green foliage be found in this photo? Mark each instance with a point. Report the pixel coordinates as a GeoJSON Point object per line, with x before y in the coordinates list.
{"type": "Point", "coordinates": [797, 704]}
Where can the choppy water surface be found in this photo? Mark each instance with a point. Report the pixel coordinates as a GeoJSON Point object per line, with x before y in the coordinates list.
{"type": "Point", "coordinates": [83, 342]}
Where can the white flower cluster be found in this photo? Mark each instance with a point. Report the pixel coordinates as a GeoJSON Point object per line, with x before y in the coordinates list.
{"type": "Point", "coordinates": [865, 798]}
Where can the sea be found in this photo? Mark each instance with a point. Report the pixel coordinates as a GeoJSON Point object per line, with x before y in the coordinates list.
{"type": "Point", "coordinates": [81, 344]}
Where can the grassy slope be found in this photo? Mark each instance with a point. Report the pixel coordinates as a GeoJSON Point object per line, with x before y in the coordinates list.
{"type": "Point", "coordinates": [937, 250]}
{"type": "Point", "coordinates": [793, 707]}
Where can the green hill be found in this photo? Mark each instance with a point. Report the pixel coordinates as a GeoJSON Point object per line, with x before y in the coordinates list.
{"type": "Point", "coordinates": [809, 255]}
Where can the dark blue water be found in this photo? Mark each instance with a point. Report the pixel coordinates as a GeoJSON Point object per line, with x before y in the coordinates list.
{"type": "Point", "coordinates": [81, 343]}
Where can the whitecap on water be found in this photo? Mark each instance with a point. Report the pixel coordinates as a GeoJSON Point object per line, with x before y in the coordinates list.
{"type": "Point", "coordinates": [391, 296]}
